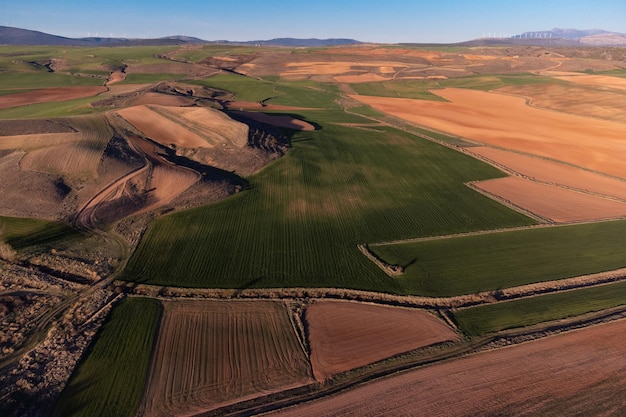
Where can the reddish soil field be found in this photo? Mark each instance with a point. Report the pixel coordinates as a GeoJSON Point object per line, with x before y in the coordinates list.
{"type": "Point", "coordinates": [578, 373]}
{"type": "Point", "coordinates": [48, 94]}
{"type": "Point", "coordinates": [212, 353]}
{"type": "Point", "coordinates": [553, 172]}
{"type": "Point", "coordinates": [595, 80]}
{"type": "Point", "coordinates": [347, 335]}
{"type": "Point", "coordinates": [507, 122]}
{"type": "Point", "coordinates": [279, 121]}
{"type": "Point", "coordinates": [557, 204]}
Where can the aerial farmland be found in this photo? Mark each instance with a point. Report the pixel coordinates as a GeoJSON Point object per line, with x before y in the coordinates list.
{"type": "Point", "coordinates": [230, 229]}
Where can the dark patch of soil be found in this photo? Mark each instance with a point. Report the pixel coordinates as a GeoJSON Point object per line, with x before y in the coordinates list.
{"type": "Point", "coordinates": [33, 127]}
{"type": "Point", "coordinates": [118, 149]}
{"type": "Point", "coordinates": [62, 188]}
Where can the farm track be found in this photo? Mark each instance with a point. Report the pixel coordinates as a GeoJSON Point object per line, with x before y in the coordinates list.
{"type": "Point", "coordinates": [85, 220]}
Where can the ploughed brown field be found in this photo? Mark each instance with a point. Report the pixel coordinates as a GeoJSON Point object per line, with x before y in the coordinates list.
{"type": "Point", "coordinates": [46, 95]}
{"type": "Point", "coordinates": [553, 172]}
{"type": "Point", "coordinates": [347, 335]}
{"type": "Point", "coordinates": [557, 204]}
{"type": "Point", "coordinates": [553, 190]}
{"type": "Point", "coordinates": [508, 122]}
{"type": "Point", "coordinates": [212, 353]}
{"type": "Point", "coordinates": [562, 151]}
{"type": "Point", "coordinates": [579, 373]}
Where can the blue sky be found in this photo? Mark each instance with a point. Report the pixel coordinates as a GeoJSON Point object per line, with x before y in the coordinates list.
{"type": "Point", "coordinates": [366, 20]}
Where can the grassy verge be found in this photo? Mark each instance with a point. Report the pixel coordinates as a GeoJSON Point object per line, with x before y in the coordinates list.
{"type": "Point", "coordinates": [110, 380]}
{"type": "Point", "coordinates": [476, 321]}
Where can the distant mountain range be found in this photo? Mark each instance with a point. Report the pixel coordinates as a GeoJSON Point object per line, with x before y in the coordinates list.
{"type": "Point", "coordinates": [17, 36]}
{"type": "Point", "coordinates": [558, 37]}
{"type": "Point", "coordinates": [562, 37]}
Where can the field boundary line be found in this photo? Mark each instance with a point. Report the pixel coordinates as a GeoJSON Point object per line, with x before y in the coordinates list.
{"type": "Point", "coordinates": [414, 301]}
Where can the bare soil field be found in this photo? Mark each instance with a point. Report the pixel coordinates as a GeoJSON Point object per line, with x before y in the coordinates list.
{"type": "Point", "coordinates": [159, 99]}
{"type": "Point", "coordinates": [152, 186]}
{"type": "Point", "coordinates": [591, 102]}
{"type": "Point", "coordinates": [507, 122]}
{"type": "Point", "coordinates": [73, 158]}
{"type": "Point", "coordinates": [125, 88]}
{"type": "Point", "coordinates": [345, 71]}
{"type": "Point", "coordinates": [278, 121]}
{"type": "Point", "coordinates": [553, 203]}
{"type": "Point", "coordinates": [213, 125]}
{"type": "Point", "coordinates": [43, 199]}
{"type": "Point", "coordinates": [35, 141]}
{"type": "Point", "coordinates": [346, 335]}
{"type": "Point", "coordinates": [46, 95]}
{"type": "Point", "coordinates": [362, 78]}
{"type": "Point", "coordinates": [161, 129]}
{"type": "Point", "coordinates": [116, 77]}
{"type": "Point", "coordinates": [580, 373]}
{"type": "Point", "coordinates": [212, 353]}
{"type": "Point", "coordinates": [605, 81]}
{"type": "Point", "coordinates": [32, 127]}
{"type": "Point", "coordinates": [552, 172]}
{"type": "Point", "coordinates": [186, 127]}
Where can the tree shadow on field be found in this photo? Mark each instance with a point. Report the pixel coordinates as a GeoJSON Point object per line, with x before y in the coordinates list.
{"type": "Point", "coordinates": [411, 262]}
{"type": "Point", "coordinates": [250, 284]}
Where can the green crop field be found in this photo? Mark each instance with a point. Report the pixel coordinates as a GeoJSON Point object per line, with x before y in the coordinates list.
{"type": "Point", "coordinates": [492, 82]}
{"type": "Point", "coordinates": [287, 93]}
{"type": "Point", "coordinates": [23, 233]}
{"type": "Point", "coordinates": [138, 78]}
{"type": "Point", "coordinates": [29, 80]}
{"type": "Point", "coordinates": [197, 55]}
{"type": "Point", "coordinates": [245, 88]}
{"type": "Point", "coordinates": [301, 221]}
{"type": "Point", "coordinates": [110, 381]}
{"type": "Point", "coordinates": [423, 89]}
{"type": "Point", "coordinates": [479, 320]}
{"type": "Point", "coordinates": [307, 94]}
{"type": "Point", "coordinates": [465, 265]}
{"type": "Point", "coordinates": [405, 89]}
{"type": "Point", "coordinates": [75, 107]}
